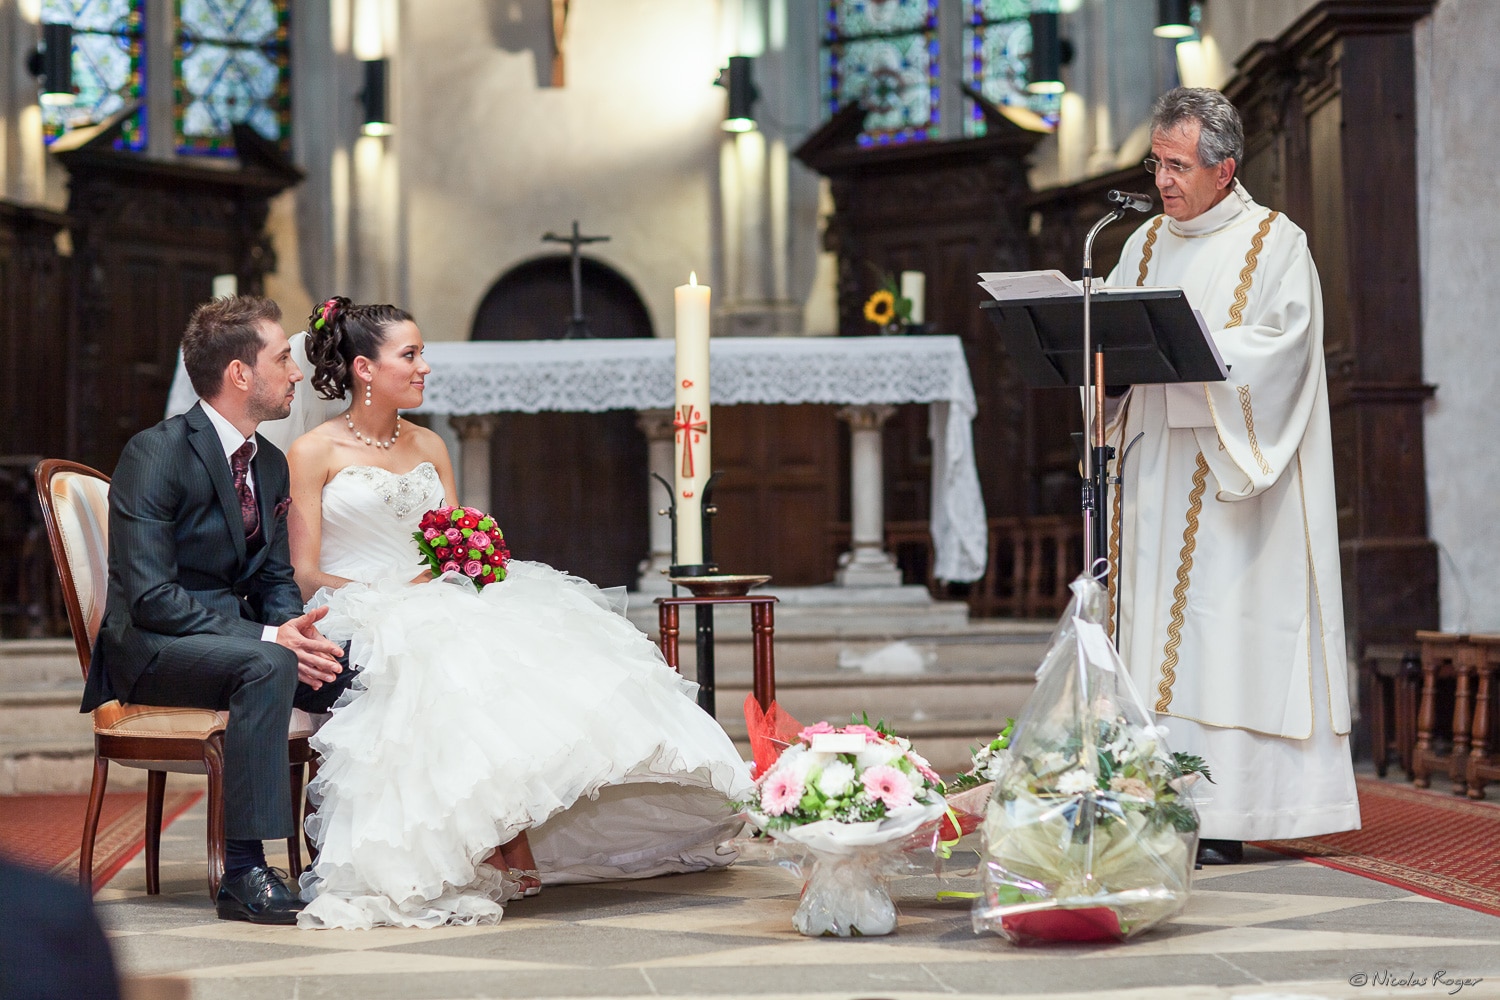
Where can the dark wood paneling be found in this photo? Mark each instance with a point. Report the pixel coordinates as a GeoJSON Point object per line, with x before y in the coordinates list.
{"type": "Point", "coordinates": [1329, 109]}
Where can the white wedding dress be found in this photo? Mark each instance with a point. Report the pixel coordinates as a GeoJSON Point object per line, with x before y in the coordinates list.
{"type": "Point", "coordinates": [479, 714]}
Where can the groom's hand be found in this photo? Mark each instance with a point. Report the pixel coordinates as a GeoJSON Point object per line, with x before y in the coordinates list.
{"type": "Point", "coordinates": [317, 658]}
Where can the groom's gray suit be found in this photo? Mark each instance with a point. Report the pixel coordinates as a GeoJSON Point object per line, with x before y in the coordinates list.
{"type": "Point", "coordinates": [188, 599]}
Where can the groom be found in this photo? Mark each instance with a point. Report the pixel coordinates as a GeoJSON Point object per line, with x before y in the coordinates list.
{"type": "Point", "coordinates": [202, 610]}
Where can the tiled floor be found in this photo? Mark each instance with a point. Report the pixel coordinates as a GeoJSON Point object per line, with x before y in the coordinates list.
{"type": "Point", "coordinates": [1276, 929]}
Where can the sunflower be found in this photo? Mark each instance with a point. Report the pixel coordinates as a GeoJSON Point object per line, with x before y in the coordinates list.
{"type": "Point", "coordinates": [880, 308]}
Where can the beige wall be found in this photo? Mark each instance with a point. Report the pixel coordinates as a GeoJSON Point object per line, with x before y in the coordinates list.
{"type": "Point", "coordinates": [1458, 147]}
{"type": "Point", "coordinates": [488, 161]}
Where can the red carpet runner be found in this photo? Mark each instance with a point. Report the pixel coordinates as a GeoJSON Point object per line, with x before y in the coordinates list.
{"type": "Point", "coordinates": [1432, 843]}
{"type": "Point", "coordinates": [44, 831]}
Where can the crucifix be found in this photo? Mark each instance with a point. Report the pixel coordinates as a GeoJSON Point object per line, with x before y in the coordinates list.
{"type": "Point", "coordinates": [578, 327]}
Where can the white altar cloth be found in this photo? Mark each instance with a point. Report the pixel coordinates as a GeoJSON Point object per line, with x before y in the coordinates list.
{"type": "Point", "coordinates": [592, 376]}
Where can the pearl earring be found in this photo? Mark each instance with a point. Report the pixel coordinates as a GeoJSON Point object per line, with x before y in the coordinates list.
{"type": "Point", "coordinates": [367, 393]}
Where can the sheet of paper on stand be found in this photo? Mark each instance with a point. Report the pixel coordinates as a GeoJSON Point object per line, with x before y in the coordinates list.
{"type": "Point", "coordinates": [1026, 284]}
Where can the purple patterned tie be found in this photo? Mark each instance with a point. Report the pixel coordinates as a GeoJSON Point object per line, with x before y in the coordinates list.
{"type": "Point", "coordinates": [239, 465]}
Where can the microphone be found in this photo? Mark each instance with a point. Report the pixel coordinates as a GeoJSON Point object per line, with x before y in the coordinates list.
{"type": "Point", "coordinates": [1129, 199]}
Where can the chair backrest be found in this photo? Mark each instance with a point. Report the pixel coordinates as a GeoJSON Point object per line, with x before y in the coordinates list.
{"type": "Point", "coordinates": [75, 506]}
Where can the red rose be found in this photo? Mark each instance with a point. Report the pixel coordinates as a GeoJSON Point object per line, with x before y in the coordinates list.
{"type": "Point", "coordinates": [468, 521]}
{"type": "Point", "coordinates": [443, 552]}
{"type": "Point", "coordinates": [496, 559]}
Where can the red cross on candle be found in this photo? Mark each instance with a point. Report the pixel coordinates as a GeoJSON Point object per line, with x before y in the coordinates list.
{"type": "Point", "coordinates": [689, 423]}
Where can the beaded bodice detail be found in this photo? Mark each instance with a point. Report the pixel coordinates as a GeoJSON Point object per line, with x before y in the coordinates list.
{"type": "Point", "coordinates": [369, 515]}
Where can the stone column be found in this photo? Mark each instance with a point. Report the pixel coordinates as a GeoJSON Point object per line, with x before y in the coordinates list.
{"type": "Point", "coordinates": [867, 563]}
{"type": "Point", "coordinates": [657, 426]}
{"type": "Point", "coordinates": [474, 432]}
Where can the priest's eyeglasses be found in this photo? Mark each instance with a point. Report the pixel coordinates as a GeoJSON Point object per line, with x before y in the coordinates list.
{"type": "Point", "coordinates": [1174, 167]}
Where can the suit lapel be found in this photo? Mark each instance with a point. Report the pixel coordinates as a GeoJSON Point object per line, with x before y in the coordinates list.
{"type": "Point", "coordinates": [205, 441]}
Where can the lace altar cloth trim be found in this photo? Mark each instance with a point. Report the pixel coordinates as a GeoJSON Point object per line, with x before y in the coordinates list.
{"type": "Point", "coordinates": [592, 376]}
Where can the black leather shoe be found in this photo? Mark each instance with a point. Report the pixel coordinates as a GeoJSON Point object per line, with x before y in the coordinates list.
{"type": "Point", "coordinates": [259, 896]}
{"type": "Point", "coordinates": [1221, 852]}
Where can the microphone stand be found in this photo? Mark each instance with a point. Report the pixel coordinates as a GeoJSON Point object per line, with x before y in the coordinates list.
{"type": "Point", "coordinates": [1096, 454]}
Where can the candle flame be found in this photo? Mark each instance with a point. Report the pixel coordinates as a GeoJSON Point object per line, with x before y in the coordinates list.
{"type": "Point", "coordinates": [692, 277]}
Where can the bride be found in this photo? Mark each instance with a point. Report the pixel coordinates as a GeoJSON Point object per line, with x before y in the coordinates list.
{"type": "Point", "coordinates": [484, 727]}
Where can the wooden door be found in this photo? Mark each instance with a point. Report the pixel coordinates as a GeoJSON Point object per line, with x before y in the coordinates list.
{"type": "Point", "coordinates": [569, 489]}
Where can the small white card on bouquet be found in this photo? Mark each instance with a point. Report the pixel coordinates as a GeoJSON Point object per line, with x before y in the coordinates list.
{"type": "Point", "coordinates": [838, 743]}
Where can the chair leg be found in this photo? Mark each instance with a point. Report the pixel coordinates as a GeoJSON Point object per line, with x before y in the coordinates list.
{"type": "Point", "coordinates": [91, 823]}
{"type": "Point", "coordinates": [294, 842]}
{"type": "Point", "coordinates": [156, 791]}
{"type": "Point", "coordinates": [307, 810]}
{"type": "Point", "coordinates": [213, 763]}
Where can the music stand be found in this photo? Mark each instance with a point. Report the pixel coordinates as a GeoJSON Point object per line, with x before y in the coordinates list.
{"type": "Point", "coordinates": [1143, 336]}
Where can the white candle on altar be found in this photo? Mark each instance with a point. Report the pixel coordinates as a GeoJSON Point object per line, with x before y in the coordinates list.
{"type": "Point", "coordinates": [914, 287]}
{"type": "Point", "coordinates": [690, 419]}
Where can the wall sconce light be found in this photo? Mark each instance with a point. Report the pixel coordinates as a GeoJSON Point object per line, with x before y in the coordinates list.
{"type": "Point", "coordinates": [1174, 19]}
{"type": "Point", "coordinates": [53, 64]}
{"type": "Point", "coordinates": [1049, 53]}
{"type": "Point", "coordinates": [737, 79]}
{"type": "Point", "coordinates": [376, 98]}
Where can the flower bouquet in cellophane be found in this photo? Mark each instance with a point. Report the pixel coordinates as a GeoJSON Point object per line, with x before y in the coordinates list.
{"type": "Point", "coordinates": [465, 541]}
{"type": "Point", "coordinates": [1089, 833]}
{"type": "Point", "coordinates": [844, 805]}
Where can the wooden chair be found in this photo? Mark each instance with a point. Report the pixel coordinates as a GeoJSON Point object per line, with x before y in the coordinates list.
{"type": "Point", "coordinates": [75, 506]}
{"type": "Point", "coordinates": [1484, 757]}
{"type": "Point", "coordinates": [1445, 656]}
{"type": "Point", "coordinates": [1390, 676]}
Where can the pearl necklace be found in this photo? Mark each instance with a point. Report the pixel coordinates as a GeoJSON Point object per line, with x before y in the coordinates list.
{"type": "Point", "coordinates": [373, 442]}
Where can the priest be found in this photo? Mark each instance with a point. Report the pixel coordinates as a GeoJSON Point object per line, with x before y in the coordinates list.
{"type": "Point", "coordinates": [1224, 533]}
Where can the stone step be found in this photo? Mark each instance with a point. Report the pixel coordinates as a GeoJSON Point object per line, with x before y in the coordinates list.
{"type": "Point", "coordinates": [43, 714]}
{"type": "Point", "coordinates": [31, 663]}
{"type": "Point", "coordinates": [837, 697]}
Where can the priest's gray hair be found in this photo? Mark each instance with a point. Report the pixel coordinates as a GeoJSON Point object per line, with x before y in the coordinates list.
{"type": "Point", "coordinates": [1221, 135]}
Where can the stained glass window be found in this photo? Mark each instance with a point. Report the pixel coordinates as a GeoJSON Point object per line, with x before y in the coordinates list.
{"type": "Point", "coordinates": [232, 65]}
{"type": "Point", "coordinates": [997, 58]}
{"type": "Point", "coordinates": [108, 57]}
{"type": "Point", "coordinates": [883, 54]}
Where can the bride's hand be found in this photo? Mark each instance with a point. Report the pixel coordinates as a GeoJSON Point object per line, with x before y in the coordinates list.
{"type": "Point", "coordinates": [423, 577]}
{"type": "Point", "coordinates": [317, 657]}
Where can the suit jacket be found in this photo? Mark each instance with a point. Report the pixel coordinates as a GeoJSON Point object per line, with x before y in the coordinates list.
{"type": "Point", "coordinates": [177, 555]}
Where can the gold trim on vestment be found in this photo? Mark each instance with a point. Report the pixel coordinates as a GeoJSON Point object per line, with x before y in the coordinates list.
{"type": "Point", "coordinates": [1114, 552]}
{"type": "Point", "coordinates": [1146, 249]}
{"type": "Point", "coordinates": [1242, 293]}
{"type": "Point", "coordinates": [1260, 459]}
{"type": "Point", "coordinates": [1179, 593]}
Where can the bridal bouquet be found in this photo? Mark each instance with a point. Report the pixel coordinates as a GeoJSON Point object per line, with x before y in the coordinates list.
{"type": "Point", "coordinates": [851, 800]}
{"type": "Point", "coordinates": [1089, 833]}
{"type": "Point", "coordinates": [463, 540]}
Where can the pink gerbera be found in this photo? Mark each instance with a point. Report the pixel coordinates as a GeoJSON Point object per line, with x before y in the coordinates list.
{"type": "Point", "coordinates": [781, 792]}
{"type": "Point", "coordinates": [815, 729]}
{"type": "Point", "coordinates": [886, 784]}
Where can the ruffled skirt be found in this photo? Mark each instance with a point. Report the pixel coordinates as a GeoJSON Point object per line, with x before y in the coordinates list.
{"type": "Point", "coordinates": [476, 715]}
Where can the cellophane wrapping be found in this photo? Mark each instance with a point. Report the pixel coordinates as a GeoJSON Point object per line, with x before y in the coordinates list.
{"type": "Point", "coordinates": [1090, 833]}
{"type": "Point", "coordinates": [848, 867]}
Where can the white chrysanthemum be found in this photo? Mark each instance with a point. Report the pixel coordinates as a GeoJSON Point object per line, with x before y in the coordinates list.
{"type": "Point", "coordinates": [1050, 763]}
{"type": "Point", "coordinates": [836, 780]}
{"type": "Point", "coordinates": [1075, 781]}
{"type": "Point", "coordinates": [811, 763]}
{"type": "Point", "coordinates": [997, 764]}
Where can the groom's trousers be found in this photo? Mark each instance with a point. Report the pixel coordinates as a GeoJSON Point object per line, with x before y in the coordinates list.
{"type": "Point", "coordinates": [256, 682]}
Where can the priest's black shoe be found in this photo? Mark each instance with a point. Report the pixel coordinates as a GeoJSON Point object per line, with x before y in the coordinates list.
{"type": "Point", "coordinates": [257, 895]}
{"type": "Point", "coordinates": [1221, 852]}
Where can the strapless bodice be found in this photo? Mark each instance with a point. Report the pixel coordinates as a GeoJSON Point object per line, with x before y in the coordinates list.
{"type": "Point", "coordinates": [369, 515]}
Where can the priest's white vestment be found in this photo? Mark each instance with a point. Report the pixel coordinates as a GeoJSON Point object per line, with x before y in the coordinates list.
{"type": "Point", "coordinates": [1225, 531]}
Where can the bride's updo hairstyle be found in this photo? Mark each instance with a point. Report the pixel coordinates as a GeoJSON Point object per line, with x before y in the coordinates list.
{"type": "Point", "coordinates": [340, 331]}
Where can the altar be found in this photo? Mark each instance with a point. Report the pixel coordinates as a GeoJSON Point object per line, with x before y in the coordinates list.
{"type": "Point", "coordinates": [867, 376]}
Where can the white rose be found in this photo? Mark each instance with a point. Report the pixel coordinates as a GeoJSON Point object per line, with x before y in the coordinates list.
{"type": "Point", "coordinates": [875, 754]}
{"type": "Point", "coordinates": [836, 780]}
